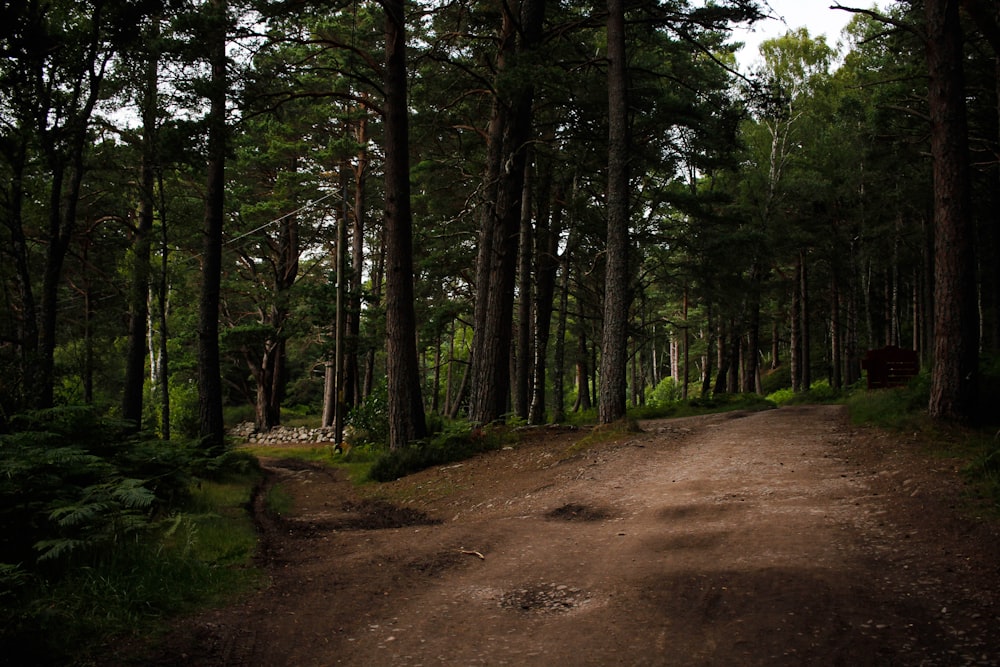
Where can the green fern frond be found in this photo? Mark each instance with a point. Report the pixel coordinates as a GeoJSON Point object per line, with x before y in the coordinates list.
{"type": "Point", "coordinates": [78, 514]}
{"type": "Point", "coordinates": [133, 495]}
{"type": "Point", "coordinates": [57, 548]}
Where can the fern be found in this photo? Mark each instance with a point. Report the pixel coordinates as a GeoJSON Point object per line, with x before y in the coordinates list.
{"type": "Point", "coordinates": [131, 494]}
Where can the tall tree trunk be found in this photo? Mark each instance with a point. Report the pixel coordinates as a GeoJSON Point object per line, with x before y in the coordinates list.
{"type": "Point", "coordinates": [547, 260]}
{"type": "Point", "coordinates": [954, 378]}
{"type": "Point", "coordinates": [722, 356]}
{"type": "Point", "coordinates": [805, 351]}
{"type": "Point", "coordinates": [706, 375]}
{"type": "Point", "coordinates": [614, 341]}
{"type": "Point", "coordinates": [686, 365]}
{"type": "Point", "coordinates": [378, 282]}
{"type": "Point", "coordinates": [64, 149]}
{"type": "Point", "coordinates": [524, 360]}
{"type": "Point", "coordinates": [510, 130]}
{"type": "Point", "coordinates": [406, 411]}
{"type": "Point", "coordinates": [163, 370]}
{"type": "Point", "coordinates": [26, 326]}
{"type": "Point", "coordinates": [795, 327]}
{"type": "Point", "coordinates": [209, 365]}
{"type": "Point", "coordinates": [559, 353]}
{"type": "Point", "coordinates": [752, 366]}
{"type": "Point", "coordinates": [352, 381]}
{"type": "Point", "coordinates": [269, 369]}
{"type": "Point", "coordinates": [582, 374]}
{"type": "Point", "coordinates": [836, 336]}
{"type": "Point", "coordinates": [135, 355]}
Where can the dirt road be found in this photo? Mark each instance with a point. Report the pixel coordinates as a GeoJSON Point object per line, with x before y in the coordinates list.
{"type": "Point", "coordinates": [776, 538]}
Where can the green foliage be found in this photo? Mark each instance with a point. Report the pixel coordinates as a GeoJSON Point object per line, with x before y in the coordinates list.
{"type": "Point", "coordinates": [895, 408]}
{"type": "Point", "coordinates": [105, 533]}
{"type": "Point", "coordinates": [700, 406]}
{"type": "Point", "coordinates": [983, 471]}
{"type": "Point", "coordinates": [70, 482]}
{"type": "Point", "coordinates": [667, 391]}
{"type": "Point", "coordinates": [819, 392]}
{"type": "Point", "coordinates": [184, 416]}
{"type": "Point", "coordinates": [581, 417]}
{"type": "Point", "coordinates": [369, 421]}
{"type": "Point", "coordinates": [456, 442]}
{"type": "Point", "coordinates": [776, 379]}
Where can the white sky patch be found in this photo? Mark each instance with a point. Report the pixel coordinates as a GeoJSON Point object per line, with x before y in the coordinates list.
{"type": "Point", "coordinates": [815, 15]}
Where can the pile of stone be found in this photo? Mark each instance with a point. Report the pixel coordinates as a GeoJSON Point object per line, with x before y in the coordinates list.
{"type": "Point", "coordinates": [282, 435]}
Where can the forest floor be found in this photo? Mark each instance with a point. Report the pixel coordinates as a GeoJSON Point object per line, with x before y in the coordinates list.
{"type": "Point", "coordinates": [785, 537]}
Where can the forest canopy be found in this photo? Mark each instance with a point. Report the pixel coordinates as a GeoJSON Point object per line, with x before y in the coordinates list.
{"type": "Point", "coordinates": [485, 210]}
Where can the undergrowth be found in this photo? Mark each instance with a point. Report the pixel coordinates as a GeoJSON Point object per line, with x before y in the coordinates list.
{"type": "Point", "coordinates": [701, 405]}
{"type": "Point", "coordinates": [904, 410]}
{"type": "Point", "coordinates": [458, 441]}
{"type": "Point", "coordinates": [108, 533]}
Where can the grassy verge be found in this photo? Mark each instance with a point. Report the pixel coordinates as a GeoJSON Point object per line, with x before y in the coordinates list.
{"type": "Point", "coordinates": [199, 555]}
{"type": "Point", "coordinates": [904, 410]}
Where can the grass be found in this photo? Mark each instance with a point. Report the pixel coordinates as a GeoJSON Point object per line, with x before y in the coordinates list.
{"type": "Point", "coordinates": [904, 410]}
{"type": "Point", "coordinates": [185, 561]}
{"type": "Point", "coordinates": [602, 434]}
{"type": "Point", "coordinates": [279, 501]}
{"type": "Point", "coordinates": [311, 453]}
{"type": "Point", "coordinates": [702, 406]}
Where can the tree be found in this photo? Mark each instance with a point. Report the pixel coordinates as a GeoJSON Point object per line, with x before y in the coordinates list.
{"type": "Point", "coordinates": [209, 369]}
{"type": "Point", "coordinates": [954, 378]}
{"type": "Point", "coordinates": [614, 342]}
{"type": "Point", "coordinates": [500, 215]}
{"type": "Point", "coordinates": [135, 355]}
{"type": "Point", "coordinates": [406, 411]}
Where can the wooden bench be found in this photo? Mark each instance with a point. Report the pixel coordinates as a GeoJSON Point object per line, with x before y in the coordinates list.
{"type": "Point", "coordinates": [890, 366]}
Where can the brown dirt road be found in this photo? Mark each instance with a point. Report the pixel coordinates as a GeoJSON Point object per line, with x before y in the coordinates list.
{"type": "Point", "coordinates": [784, 537]}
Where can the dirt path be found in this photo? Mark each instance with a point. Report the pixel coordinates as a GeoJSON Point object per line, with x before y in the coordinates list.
{"type": "Point", "coordinates": [774, 538]}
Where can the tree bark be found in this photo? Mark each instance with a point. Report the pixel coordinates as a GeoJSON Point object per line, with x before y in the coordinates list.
{"type": "Point", "coordinates": [805, 343]}
{"type": "Point", "coordinates": [406, 412]}
{"type": "Point", "coordinates": [163, 360]}
{"type": "Point", "coordinates": [135, 355]}
{"type": "Point", "coordinates": [836, 335]}
{"type": "Point", "coordinates": [614, 341]}
{"type": "Point", "coordinates": [547, 261]}
{"type": "Point", "coordinates": [524, 360]}
{"type": "Point", "coordinates": [352, 380]}
{"type": "Point", "coordinates": [582, 374]}
{"type": "Point", "coordinates": [559, 353]}
{"type": "Point", "coordinates": [26, 327]}
{"type": "Point", "coordinates": [212, 428]}
{"type": "Point", "coordinates": [496, 267]}
{"type": "Point", "coordinates": [954, 378]}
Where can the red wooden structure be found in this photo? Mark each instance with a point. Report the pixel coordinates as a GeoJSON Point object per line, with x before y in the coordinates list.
{"type": "Point", "coordinates": [890, 367]}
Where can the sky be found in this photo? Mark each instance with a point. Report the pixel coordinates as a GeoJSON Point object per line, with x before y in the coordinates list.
{"type": "Point", "coordinates": [815, 15]}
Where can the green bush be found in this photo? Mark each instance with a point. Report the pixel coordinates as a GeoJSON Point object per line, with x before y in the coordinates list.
{"type": "Point", "coordinates": [667, 391]}
{"type": "Point", "coordinates": [70, 481]}
{"type": "Point", "coordinates": [98, 533]}
{"type": "Point", "coordinates": [819, 391]}
{"type": "Point", "coordinates": [185, 420]}
{"type": "Point", "coordinates": [456, 442]}
{"type": "Point", "coordinates": [895, 407]}
{"type": "Point", "coordinates": [370, 420]}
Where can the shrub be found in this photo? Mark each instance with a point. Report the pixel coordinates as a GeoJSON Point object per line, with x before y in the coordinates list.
{"type": "Point", "coordinates": [667, 391]}
{"type": "Point", "coordinates": [456, 442]}
{"type": "Point", "coordinates": [370, 419]}
{"type": "Point", "coordinates": [96, 531]}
